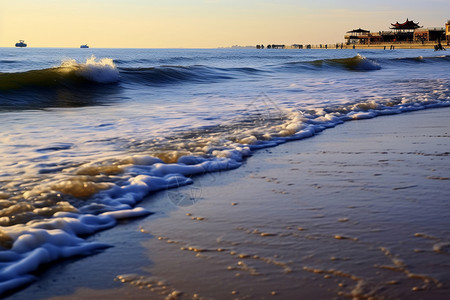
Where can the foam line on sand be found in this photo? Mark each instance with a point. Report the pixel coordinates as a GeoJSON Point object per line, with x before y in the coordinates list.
{"type": "Point", "coordinates": [358, 211]}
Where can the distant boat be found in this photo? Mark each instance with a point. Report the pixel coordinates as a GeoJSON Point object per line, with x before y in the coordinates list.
{"type": "Point", "coordinates": [84, 46]}
{"type": "Point", "coordinates": [21, 44]}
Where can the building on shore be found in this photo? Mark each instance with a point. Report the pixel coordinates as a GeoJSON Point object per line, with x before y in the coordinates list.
{"type": "Point", "coordinates": [407, 32]}
{"type": "Point", "coordinates": [274, 46]}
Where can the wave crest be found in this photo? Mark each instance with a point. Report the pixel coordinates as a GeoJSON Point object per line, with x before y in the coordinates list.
{"type": "Point", "coordinates": [71, 84]}
{"type": "Point", "coordinates": [69, 74]}
{"type": "Point", "coordinates": [101, 71]}
{"type": "Point", "coordinates": [355, 63]}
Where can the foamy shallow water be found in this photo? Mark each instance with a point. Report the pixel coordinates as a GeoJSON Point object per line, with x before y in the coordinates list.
{"type": "Point", "coordinates": [85, 138]}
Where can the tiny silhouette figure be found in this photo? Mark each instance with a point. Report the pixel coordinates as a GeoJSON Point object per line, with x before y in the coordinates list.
{"type": "Point", "coordinates": [439, 47]}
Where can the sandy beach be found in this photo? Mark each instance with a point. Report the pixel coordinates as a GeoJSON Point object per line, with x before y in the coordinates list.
{"type": "Point", "coordinates": [359, 211]}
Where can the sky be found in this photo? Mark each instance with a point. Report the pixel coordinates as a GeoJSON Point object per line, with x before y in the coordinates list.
{"type": "Point", "coordinates": [203, 23]}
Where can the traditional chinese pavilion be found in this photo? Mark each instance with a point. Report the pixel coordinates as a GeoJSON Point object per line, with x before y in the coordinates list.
{"type": "Point", "coordinates": [408, 26]}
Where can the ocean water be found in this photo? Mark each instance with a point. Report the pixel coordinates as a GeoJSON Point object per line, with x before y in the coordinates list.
{"type": "Point", "coordinates": [87, 134]}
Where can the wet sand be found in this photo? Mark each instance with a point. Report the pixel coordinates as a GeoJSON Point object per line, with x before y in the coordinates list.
{"type": "Point", "coordinates": [360, 211]}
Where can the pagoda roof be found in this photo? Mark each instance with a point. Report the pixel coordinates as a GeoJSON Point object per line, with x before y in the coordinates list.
{"type": "Point", "coordinates": [406, 25]}
{"type": "Point", "coordinates": [359, 30]}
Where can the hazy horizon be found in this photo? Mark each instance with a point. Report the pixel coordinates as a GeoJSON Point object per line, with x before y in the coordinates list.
{"type": "Point", "coordinates": [202, 23]}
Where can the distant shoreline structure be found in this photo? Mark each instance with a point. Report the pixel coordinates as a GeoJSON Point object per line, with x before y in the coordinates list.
{"type": "Point", "coordinates": [407, 35]}
{"type": "Point", "coordinates": [329, 46]}
{"type": "Point", "coordinates": [407, 32]}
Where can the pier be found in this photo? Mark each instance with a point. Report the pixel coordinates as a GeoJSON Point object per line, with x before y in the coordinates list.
{"type": "Point", "coordinates": [386, 46]}
{"type": "Point", "coordinates": [406, 35]}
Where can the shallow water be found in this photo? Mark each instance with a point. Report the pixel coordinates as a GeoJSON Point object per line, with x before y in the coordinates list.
{"type": "Point", "coordinates": [88, 133]}
{"type": "Point", "coordinates": [343, 215]}
{"type": "Point", "coordinates": [339, 216]}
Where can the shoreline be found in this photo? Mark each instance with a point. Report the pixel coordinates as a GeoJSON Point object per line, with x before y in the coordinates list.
{"type": "Point", "coordinates": [358, 210]}
{"type": "Point", "coordinates": [374, 46]}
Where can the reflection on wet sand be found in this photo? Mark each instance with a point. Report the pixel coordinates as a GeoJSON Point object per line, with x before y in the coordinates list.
{"type": "Point", "coordinates": [363, 224]}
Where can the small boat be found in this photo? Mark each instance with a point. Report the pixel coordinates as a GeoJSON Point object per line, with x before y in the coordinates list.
{"type": "Point", "coordinates": [21, 44]}
{"type": "Point", "coordinates": [84, 46]}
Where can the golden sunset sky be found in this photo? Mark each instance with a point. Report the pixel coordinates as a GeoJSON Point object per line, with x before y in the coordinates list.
{"type": "Point", "coordinates": [203, 23]}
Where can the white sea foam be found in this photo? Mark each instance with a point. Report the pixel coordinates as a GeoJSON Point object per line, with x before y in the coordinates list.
{"type": "Point", "coordinates": [44, 241]}
{"type": "Point", "coordinates": [98, 70]}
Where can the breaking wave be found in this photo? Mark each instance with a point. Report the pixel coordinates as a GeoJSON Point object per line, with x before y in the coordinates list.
{"type": "Point", "coordinates": [71, 84]}
{"type": "Point", "coordinates": [361, 63]}
{"type": "Point", "coordinates": [81, 81]}
{"type": "Point", "coordinates": [356, 63]}
{"type": "Point", "coordinates": [69, 73]}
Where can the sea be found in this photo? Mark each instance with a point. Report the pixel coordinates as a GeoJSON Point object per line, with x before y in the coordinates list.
{"type": "Point", "coordinates": [88, 134]}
